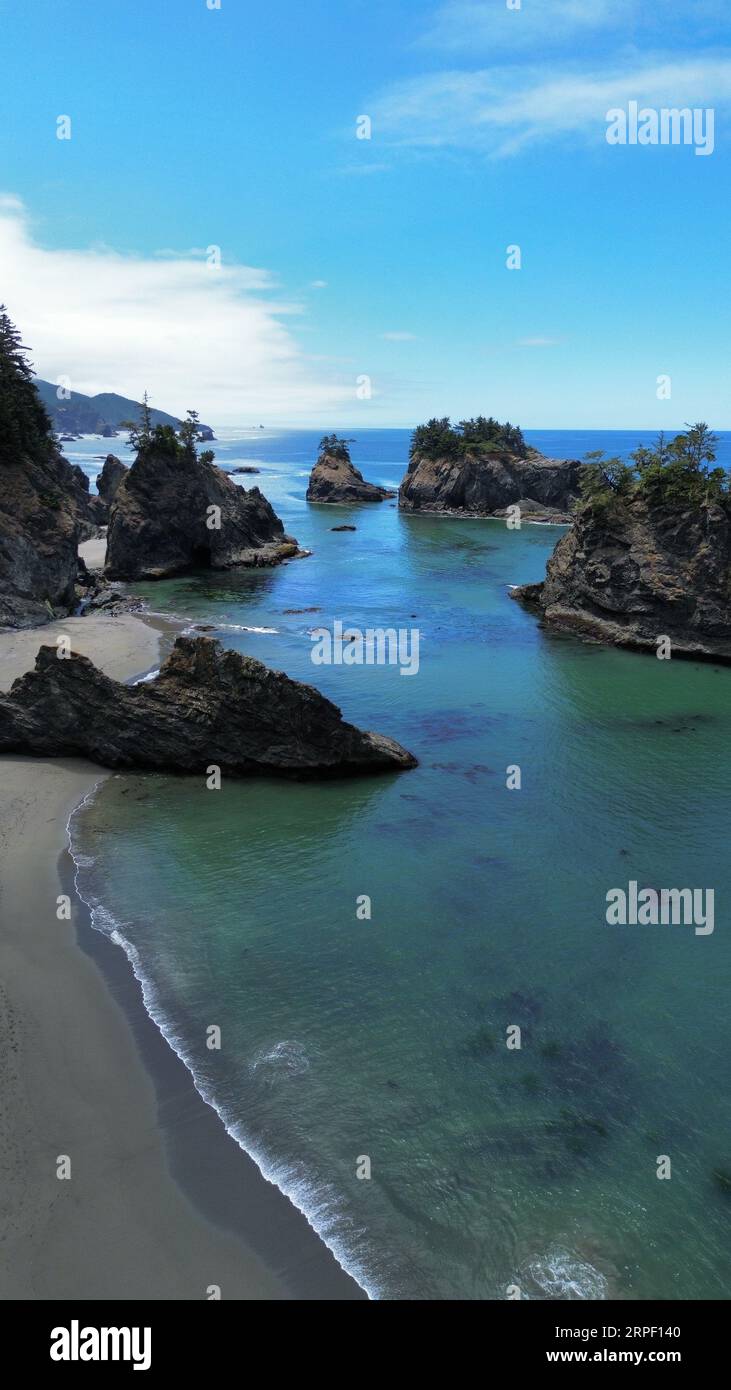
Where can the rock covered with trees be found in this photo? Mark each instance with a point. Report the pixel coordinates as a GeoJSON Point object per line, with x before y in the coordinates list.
{"type": "Point", "coordinates": [335, 479]}
{"type": "Point", "coordinates": [175, 511]}
{"type": "Point", "coordinates": [649, 553]}
{"type": "Point", "coordinates": [479, 468]}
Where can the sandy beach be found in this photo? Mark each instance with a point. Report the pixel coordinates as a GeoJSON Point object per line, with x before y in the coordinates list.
{"type": "Point", "coordinates": [73, 1081]}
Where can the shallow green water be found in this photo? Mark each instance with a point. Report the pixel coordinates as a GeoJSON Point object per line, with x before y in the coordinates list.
{"type": "Point", "coordinates": [344, 1038]}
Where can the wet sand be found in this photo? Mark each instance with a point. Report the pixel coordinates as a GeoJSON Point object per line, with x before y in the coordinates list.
{"type": "Point", "coordinates": [160, 1200]}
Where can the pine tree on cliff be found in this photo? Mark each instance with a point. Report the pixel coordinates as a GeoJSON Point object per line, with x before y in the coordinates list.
{"type": "Point", "coordinates": [25, 426]}
{"type": "Point", "coordinates": [334, 447]}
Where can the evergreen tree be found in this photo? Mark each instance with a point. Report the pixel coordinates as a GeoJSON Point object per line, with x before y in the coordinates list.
{"type": "Point", "coordinates": [439, 439]}
{"type": "Point", "coordinates": [25, 426]}
{"type": "Point", "coordinates": [190, 432]}
{"type": "Point", "coordinates": [334, 446]}
{"type": "Point", "coordinates": [140, 431]}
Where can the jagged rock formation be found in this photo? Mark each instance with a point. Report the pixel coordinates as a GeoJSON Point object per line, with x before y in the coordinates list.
{"type": "Point", "coordinates": [109, 479]}
{"type": "Point", "coordinates": [206, 707]}
{"type": "Point", "coordinates": [337, 480]}
{"type": "Point", "coordinates": [630, 574]}
{"type": "Point", "coordinates": [91, 509]}
{"type": "Point", "coordinates": [39, 535]}
{"type": "Point", "coordinates": [476, 485]}
{"type": "Point", "coordinates": [161, 521]}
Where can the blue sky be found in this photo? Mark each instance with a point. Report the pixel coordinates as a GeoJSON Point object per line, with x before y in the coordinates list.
{"type": "Point", "coordinates": [384, 258]}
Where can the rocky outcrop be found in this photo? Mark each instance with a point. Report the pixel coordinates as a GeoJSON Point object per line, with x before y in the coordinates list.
{"type": "Point", "coordinates": [110, 477]}
{"type": "Point", "coordinates": [484, 486]}
{"type": "Point", "coordinates": [206, 707]}
{"type": "Point", "coordinates": [630, 574]}
{"type": "Point", "coordinates": [337, 480]}
{"type": "Point", "coordinates": [39, 534]}
{"type": "Point", "coordinates": [175, 512]}
{"type": "Point", "coordinates": [91, 509]}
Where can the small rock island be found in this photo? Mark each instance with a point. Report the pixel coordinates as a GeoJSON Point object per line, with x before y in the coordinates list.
{"type": "Point", "coordinates": [335, 479]}
{"type": "Point", "coordinates": [479, 468]}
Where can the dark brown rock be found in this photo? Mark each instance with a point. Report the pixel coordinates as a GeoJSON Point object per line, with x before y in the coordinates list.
{"type": "Point", "coordinates": [338, 481]}
{"type": "Point", "coordinates": [633, 574]}
{"type": "Point", "coordinates": [485, 486]}
{"type": "Point", "coordinates": [110, 477]}
{"type": "Point", "coordinates": [39, 536]}
{"type": "Point", "coordinates": [158, 521]}
{"type": "Point", "coordinates": [91, 509]}
{"type": "Point", "coordinates": [207, 706]}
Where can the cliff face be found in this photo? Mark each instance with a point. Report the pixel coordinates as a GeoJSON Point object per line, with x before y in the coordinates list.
{"type": "Point", "coordinates": [40, 508]}
{"type": "Point", "coordinates": [632, 575]}
{"type": "Point", "coordinates": [207, 706]}
{"type": "Point", "coordinates": [159, 521]}
{"type": "Point", "coordinates": [337, 480]}
{"type": "Point", "coordinates": [479, 486]}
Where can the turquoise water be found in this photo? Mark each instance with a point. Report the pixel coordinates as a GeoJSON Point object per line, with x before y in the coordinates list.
{"type": "Point", "coordinates": [386, 1038]}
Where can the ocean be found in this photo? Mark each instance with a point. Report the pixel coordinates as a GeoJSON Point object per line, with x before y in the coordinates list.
{"type": "Point", "coordinates": [363, 1063]}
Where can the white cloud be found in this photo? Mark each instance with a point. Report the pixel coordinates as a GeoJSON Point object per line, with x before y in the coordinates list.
{"type": "Point", "coordinates": [213, 340]}
{"type": "Point", "coordinates": [399, 337]}
{"type": "Point", "coordinates": [501, 110]}
{"type": "Point", "coordinates": [537, 342]}
{"type": "Point", "coordinates": [318, 284]}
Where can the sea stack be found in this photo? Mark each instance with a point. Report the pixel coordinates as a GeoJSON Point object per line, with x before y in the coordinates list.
{"type": "Point", "coordinates": [479, 468]}
{"type": "Point", "coordinates": [174, 511]}
{"type": "Point", "coordinates": [648, 557]}
{"type": "Point", "coordinates": [335, 479]}
{"type": "Point", "coordinates": [110, 478]}
{"type": "Point", "coordinates": [206, 706]}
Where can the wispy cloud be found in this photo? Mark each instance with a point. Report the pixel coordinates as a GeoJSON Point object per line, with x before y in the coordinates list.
{"type": "Point", "coordinates": [468, 24]}
{"type": "Point", "coordinates": [489, 26]}
{"type": "Point", "coordinates": [501, 110]}
{"type": "Point", "coordinates": [399, 337]}
{"type": "Point", "coordinates": [214, 340]}
{"type": "Point", "coordinates": [537, 342]}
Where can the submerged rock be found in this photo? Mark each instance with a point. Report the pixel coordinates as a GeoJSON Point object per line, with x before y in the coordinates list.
{"type": "Point", "coordinates": [476, 485]}
{"type": "Point", "coordinates": [337, 480]}
{"type": "Point", "coordinates": [635, 574]}
{"type": "Point", "coordinates": [207, 706]}
{"type": "Point", "coordinates": [175, 512]}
